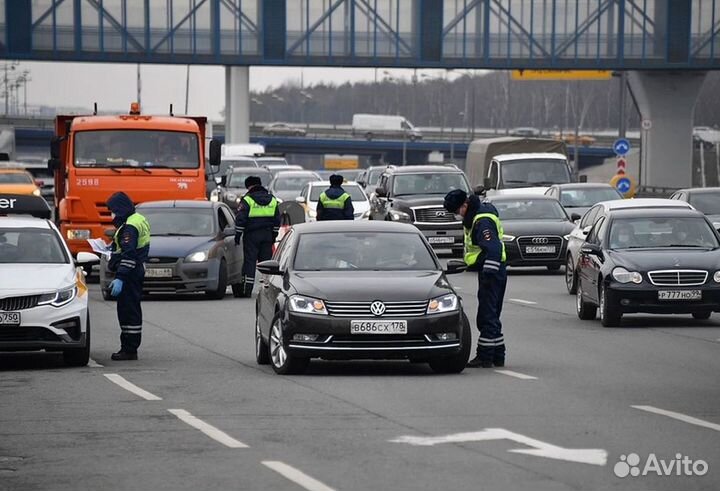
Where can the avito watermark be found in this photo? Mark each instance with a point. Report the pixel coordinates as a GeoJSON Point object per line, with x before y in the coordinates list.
{"type": "Point", "coordinates": [681, 465]}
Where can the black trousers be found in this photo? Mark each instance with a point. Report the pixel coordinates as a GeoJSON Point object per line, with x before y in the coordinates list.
{"type": "Point", "coordinates": [129, 311]}
{"type": "Point", "coordinates": [491, 293]}
{"type": "Point", "coordinates": [257, 246]}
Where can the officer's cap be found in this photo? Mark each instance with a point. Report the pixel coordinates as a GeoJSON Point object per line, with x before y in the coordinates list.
{"type": "Point", "coordinates": [251, 181]}
{"type": "Point", "coordinates": [336, 180]}
{"type": "Point", "coordinates": [454, 200]}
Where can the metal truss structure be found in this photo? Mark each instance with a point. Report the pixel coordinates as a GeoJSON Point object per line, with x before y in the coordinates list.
{"type": "Point", "coordinates": [541, 34]}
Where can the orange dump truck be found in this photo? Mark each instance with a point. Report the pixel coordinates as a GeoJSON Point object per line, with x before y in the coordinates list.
{"type": "Point", "coordinates": [148, 157]}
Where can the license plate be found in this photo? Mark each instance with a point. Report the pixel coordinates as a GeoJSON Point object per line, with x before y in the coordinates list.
{"type": "Point", "coordinates": [158, 273]}
{"type": "Point", "coordinates": [540, 250]}
{"type": "Point", "coordinates": [441, 240]}
{"type": "Point", "coordinates": [378, 327]}
{"type": "Point", "coordinates": [9, 318]}
{"type": "Point", "coordinates": [680, 295]}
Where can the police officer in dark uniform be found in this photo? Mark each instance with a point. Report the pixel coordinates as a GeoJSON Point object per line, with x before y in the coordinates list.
{"type": "Point", "coordinates": [257, 223]}
{"type": "Point", "coordinates": [130, 248]}
{"type": "Point", "coordinates": [484, 251]}
{"type": "Point", "coordinates": [335, 203]}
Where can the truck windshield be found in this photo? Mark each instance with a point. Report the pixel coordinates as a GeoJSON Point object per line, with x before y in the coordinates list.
{"type": "Point", "coordinates": [523, 173]}
{"type": "Point", "coordinates": [429, 183]}
{"type": "Point", "coordinates": [136, 148]}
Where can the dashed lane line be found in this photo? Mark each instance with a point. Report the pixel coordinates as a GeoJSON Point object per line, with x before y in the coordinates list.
{"type": "Point", "coordinates": [519, 375]}
{"type": "Point", "coordinates": [521, 301]}
{"type": "Point", "coordinates": [208, 429]}
{"type": "Point", "coordinates": [296, 476]}
{"type": "Point", "coordinates": [680, 417]}
{"type": "Point", "coordinates": [130, 387]}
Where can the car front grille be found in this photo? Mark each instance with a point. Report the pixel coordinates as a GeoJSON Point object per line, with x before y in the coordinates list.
{"type": "Point", "coordinates": [362, 309]}
{"type": "Point", "coordinates": [103, 211]}
{"type": "Point", "coordinates": [524, 242]}
{"type": "Point", "coordinates": [678, 277]}
{"type": "Point", "coordinates": [19, 303]}
{"type": "Point", "coordinates": [162, 260]}
{"type": "Point", "coordinates": [433, 214]}
{"type": "Point", "coordinates": [27, 334]}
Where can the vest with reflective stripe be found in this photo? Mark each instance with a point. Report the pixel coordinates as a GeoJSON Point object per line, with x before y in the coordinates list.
{"type": "Point", "coordinates": [472, 251]}
{"type": "Point", "coordinates": [141, 225]}
{"type": "Point", "coordinates": [261, 211]}
{"type": "Point", "coordinates": [338, 203]}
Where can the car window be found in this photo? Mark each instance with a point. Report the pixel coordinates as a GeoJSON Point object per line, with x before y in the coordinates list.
{"type": "Point", "coordinates": [292, 183]}
{"type": "Point", "coordinates": [194, 222]}
{"type": "Point", "coordinates": [661, 232]}
{"type": "Point", "coordinates": [530, 209]}
{"type": "Point", "coordinates": [237, 179]}
{"type": "Point", "coordinates": [222, 219]}
{"type": "Point", "coordinates": [594, 232]}
{"type": "Point", "coordinates": [494, 173]}
{"type": "Point", "coordinates": [228, 216]}
{"type": "Point", "coordinates": [428, 183]}
{"type": "Point", "coordinates": [31, 245]}
{"type": "Point", "coordinates": [582, 197]}
{"type": "Point", "coordinates": [15, 178]}
{"type": "Point", "coordinates": [355, 192]}
{"type": "Point", "coordinates": [708, 203]}
{"type": "Point", "coordinates": [589, 217]}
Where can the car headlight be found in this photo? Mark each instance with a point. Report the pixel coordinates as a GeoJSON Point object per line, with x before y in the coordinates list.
{"type": "Point", "coordinates": [36, 192]}
{"type": "Point", "coordinates": [400, 216]}
{"type": "Point", "coordinates": [307, 305]}
{"type": "Point", "coordinates": [231, 197]}
{"type": "Point", "coordinates": [214, 197]}
{"type": "Point", "coordinates": [76, 234]}
{"type": "Point", "coordinates": [716, 277]}
{"type": "Point", "coordinates": [197, 257]}
{"type": "Point", "coordinates": [446, 303]}
{"type": "Point", "coordinates": [508, 238]}
{"type": "Point", "coordinates": [622, 275]}
{"type": "Point", "coordinates": [59, 298]}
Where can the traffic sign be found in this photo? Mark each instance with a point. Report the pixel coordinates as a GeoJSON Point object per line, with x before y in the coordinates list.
{"type": "Point", "coordinates": [621, 146]}
{"type": "Point", "coordinates": [621, 164]}
{"type": "Point", "coordinates": [624, 184]}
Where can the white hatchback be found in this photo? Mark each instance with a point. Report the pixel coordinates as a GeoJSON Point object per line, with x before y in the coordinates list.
{"type": "Point", "coordinates": [43, 294]}
{"type": "Point", "coordinates": [310, 195]}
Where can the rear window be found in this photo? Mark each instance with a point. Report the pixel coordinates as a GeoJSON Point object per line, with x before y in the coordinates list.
{"type": "Point", "coordinates": [237, 179]}
{"type": "Point", "coordinates": [31, 246]}
{"type": "Point", "coordinates": [708, 203]}
{"type": "Point", "coordinates": [15, 178]}
{"type": "Point", "coordinates": [530, 209]}
{"type": "Point", "coordinates": [356, 194]}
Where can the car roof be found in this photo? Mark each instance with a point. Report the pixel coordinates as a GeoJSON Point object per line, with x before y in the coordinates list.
{"type": "Point", "coordinates": [529, 155]}
{"type": "Point", "coordinates": [582, 185]}
{"type": "Point", "coordinates": [617, 204]}
{"type": "Point", "coordinates": [418, 169]}
{"type": "Point", "coordinates": [179, 203]}
{"type": "Point", "coordinates": [13, 170]}
{"type": "Point", "coordinates": [701, 190]}
{"type": "Point", "coordinates": [327, 183]}
{"type": "Point", "coordinates": [655, 212]}
{"type": "Point", "coordinates": [295, 173]}
{"type": "Point", "coordinates": [21, 221]}
{"type": "Point", "coordinates": [520, 197]}
{"type": "Point", "coordinates": [355, 226]}
{"type": "Point", "coordinates": [248, 169]}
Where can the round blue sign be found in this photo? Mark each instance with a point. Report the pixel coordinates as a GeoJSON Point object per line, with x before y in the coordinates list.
{"type": "Point", "coordinates": [621, 146]}
{"type": "Point", "coordinates": [623, 185]}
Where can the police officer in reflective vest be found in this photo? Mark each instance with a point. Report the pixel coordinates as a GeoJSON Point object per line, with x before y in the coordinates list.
{"type": "Point", "coordinates": [485, 251]}
{"type": "Point", "coordinates": [335, 203]}
{"type": "Point", "coordinates": [130, 248]}
{"type": "Point", "coordinates": [257, 223]}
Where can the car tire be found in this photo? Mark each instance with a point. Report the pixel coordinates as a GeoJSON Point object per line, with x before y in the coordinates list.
{"type": "Point", "coordinates": [610, 315]}
{"type": "Point", "coordinates": [570, 276]}
{"type": "Point", "coordinates": [238, 290]}
{"type": "Point", "coordinates": [262, 353]}
{"type": "Point", "coordinates": [219, 294]}
{"type": "Point", "coordinates": [702, 316]}
{"type": "Point", "coordinates": [553, 267]}
{"type": "Point", "coordinates": [585, 311]}
{"type": "Point", "coordinates": [79, 357]}
{"type": "Point", "coordinates": [282, 362]}
{"type": "Point", "coordinates": [457, 362]}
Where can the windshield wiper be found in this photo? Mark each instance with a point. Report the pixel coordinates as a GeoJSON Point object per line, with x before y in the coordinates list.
{"type": "Point", "coordinates": [99, 166]}
{"type": "Point", "coordinates": [688, 245]}
{"type": "Point", "coordinates": [155, 166]}
{"type": "Point", "coordinates": [173, 234]}
{"type": "Point", "coordinates": [515, 181]}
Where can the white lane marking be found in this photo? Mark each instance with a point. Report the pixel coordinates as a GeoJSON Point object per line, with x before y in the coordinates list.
{"type": "Point", "coordinates": [93, 364]}
{"type": "Point", "coordinates": [130, 387]}
{"type": "Point", "coordinates": [592, 456]}
{"type": "Point", "coordinates": [296, 476]}
{"type": "Point", "coordinates": [521, 301]}
{"type": "Point", "coordinates": [680, 417]}
{"type": "Point", "coordinates": [214, 433]}
{"type": "Point", "coordinates": [519, 375]}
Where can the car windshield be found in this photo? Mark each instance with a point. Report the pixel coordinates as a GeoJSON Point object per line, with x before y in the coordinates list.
{"type": "Point", "coordinates": [586, 197]}
{"type": "Point", "coordinates": [428, 183]}
{"type": "Point", "coordinates": [363, 251]}
{"type": "Point", "coordinates": [15, 178]}
{"type": "Point", "coordinates": [354, 191]}
{"type": "Point", "coordinates": [374, 176]}
{"type": "Point", "coordinates": [534, 173]}
{"type": "Point", "coordinates": [708, 203]}
{"type": "Point", "coordinates": [269, 161]}
{"type": "Point", "coordinates": [292, 183]}
{"type": "Point", "coordinates": [530, 209]}
{"type": "Point", "coordinates": [136, 148]}
{"type": "Point", "coordinates": [30, 245]}
{"type": "Point", "coordinates": [661, 232]}
{"type": "Point", "coordinates": [192, 222]}
{"type": "Point", "coordinates": [237, 179]}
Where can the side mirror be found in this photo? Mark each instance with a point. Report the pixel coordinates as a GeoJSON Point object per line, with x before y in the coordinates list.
{"type": "Point", "coordinates": [86, 258]}
{"type": "Point", "coordinates": [586, 230]}
{"type": "Point", "coordinates": [269, 267]}
{"type": "Point", "coordinates": [300, 199]}
{"type": "Point", "coordinates": [215, 147]}
{"type": "Point", "coordinates": [455, 266]}
{"type": "Point", "coordinates": [362, 183]}
{"type": "Point", "coordinates": [591, 250]}
{"type": "Point", "coordinates": [380, 192]}
{"type": "Point", "coordinates": [487, 183]}
{"type": "Point", "coordinates": [575, 217]}
{"type": "Point", "coordinates": [55, 147]}
{"type": "Point", "coordinates": [717, 226]}
{"type": "Point", "coordinates": [583, 178]}
{"type": "Point", "coordinates": [53, 164]}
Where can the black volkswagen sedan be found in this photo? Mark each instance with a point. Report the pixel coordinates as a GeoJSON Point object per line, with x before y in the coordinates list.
{"type": "Point", "coordinates": [359, 290]}
{"type": "Point", "coordinates": [660, 261]}
{"type": "Point", "coordinates": [535, 228]}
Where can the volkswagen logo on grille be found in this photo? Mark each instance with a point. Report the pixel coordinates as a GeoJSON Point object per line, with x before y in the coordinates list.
{"type": "Point", "coordinates": [377, 308]}
{"type": "Point", "coordinates": [440, 213]}
{"type": "Point", "coordinates": [540, 240]}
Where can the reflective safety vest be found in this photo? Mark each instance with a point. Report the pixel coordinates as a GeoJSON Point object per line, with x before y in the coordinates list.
{"type": "Point", "coordinates": [141, 225]}
{"type": "Point", "coordinates": [472, 251]}
{"type": "Point", "coordinates": [338, 203]}
{"type": "Point", "coordinates": [261, 211]}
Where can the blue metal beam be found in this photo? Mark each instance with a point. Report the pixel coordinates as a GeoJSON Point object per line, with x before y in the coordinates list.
{"type": "Point", "coordinates": [118, 26]}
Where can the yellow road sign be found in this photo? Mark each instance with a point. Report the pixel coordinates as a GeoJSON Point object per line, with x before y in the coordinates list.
{"type": "Point", "coordinates": [561, 74]}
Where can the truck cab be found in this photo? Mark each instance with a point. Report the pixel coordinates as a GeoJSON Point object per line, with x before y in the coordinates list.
{"type": "Point", "coordinates": [521, 172]}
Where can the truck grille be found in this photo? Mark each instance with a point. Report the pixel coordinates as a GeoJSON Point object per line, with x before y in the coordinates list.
{"type": "Point", "coordinates": [433, 214]}
{"type": "Point", "coordinates": [362, 309]}
{"type": "Point", "coordinates": [19, 303]}
{"type": "Point", "coordinates": [524, 242]}
{"type": "Point", "coordinates": [678, 277]}
{"type": "Point", "coordinates": [103, 211]}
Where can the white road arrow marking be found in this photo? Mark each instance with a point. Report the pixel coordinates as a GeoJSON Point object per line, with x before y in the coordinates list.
{"type": "Point", "coordinates": [592, 456]}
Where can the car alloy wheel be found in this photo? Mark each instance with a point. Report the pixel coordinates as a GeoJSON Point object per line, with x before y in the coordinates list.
{"type": "Point", "coordinates": [570, 276]}
{"type": "Point", "coordinates": [585, 311]}
{"type": "Point", "coordinates": [283, 362]}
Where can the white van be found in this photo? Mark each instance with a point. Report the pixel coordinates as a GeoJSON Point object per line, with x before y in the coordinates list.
{"type": "Point", "coordinates": [242, 149]}
{"type": "Point", "coordinates": [372, 125]}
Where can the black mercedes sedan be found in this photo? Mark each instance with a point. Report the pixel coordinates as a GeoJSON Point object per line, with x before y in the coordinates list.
{"type": "Point", "coordinates": [359, 290]}
{"type": "Point", "coordinates": [534, 227]}
{"type": "Point", "coordinates": [660, 261]}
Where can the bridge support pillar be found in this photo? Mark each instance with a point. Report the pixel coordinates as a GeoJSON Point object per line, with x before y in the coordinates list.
{"type": "Point", "coordinates": [666, 101]}
{"type": "Point", "coordinates": [237, 104]}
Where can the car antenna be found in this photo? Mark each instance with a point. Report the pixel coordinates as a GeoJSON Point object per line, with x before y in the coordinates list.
{"type": "Point", "coordinates": [94, 108]}
{"type": "Point", "coordinates": [171, 111]}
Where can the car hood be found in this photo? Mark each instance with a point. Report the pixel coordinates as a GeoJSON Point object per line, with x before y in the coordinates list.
{"type": "Point", "coordinates": [366, 286]}
{"type": "Point", "coordinates": [511, 191]}
{"type": "Point", "coordinates": [23, 279]}
{"type": "Point", "coordinates": [162, 246]}
{"type": "Point", "coordinates": [653, 259]}
{"type": "Point", "coordinates": [537, 227]}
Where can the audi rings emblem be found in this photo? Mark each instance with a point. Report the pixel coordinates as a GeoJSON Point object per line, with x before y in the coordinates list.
{"type": "Point", "coordinates": [440, 213]}
{"type": "Point", "coordinates": [540, 240]}
{"type": "Point", "coordinates": [377, 308]}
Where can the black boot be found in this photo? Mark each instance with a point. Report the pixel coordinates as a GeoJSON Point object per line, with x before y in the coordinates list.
{"type": "Point", "coordinates": [499, 362]}
{"type": "Point", "coordinates": [123, 356]}
{"type": "Point", "coordinates": [478, 363]}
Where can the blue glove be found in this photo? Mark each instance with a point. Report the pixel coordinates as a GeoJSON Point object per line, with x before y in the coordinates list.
{"type": "Point", "coordinates": [116, 287]}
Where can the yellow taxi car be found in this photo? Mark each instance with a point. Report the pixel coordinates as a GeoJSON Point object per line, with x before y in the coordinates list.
{"type": "Point", "coordinates": [17, 181]}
